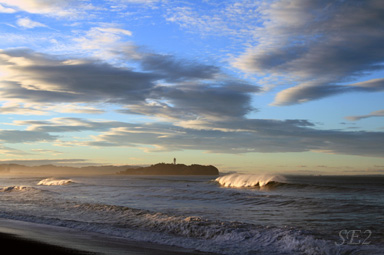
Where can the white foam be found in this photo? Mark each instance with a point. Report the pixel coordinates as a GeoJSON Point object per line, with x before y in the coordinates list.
{"type": "Point", "coordinates": [16, 188]}
{"type": "Point", "coordinates": [54, 182]}
{"type": "Point", "coordinates": [228, 238]}
{"type": "Point", "coordinates": [248, 180]}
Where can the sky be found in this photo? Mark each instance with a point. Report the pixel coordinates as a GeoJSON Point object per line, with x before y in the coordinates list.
{"type": "Point", "coordinates": [250, 86]}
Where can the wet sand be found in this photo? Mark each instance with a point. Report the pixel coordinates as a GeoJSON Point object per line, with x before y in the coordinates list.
{"type": "Point", "coordinates": [16, 245]}
{"type": "Point", "coordinates": [18, 237]}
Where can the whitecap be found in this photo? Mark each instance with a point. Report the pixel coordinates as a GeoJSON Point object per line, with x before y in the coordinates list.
{"type": "Point", "coordinates": [55, 182]}
{"type": "Point", "coordinates": [16, 188]}
{"type": "Point", "coordinates": [248, 180]}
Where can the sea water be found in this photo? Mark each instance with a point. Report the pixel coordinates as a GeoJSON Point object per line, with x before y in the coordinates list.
{"type": "Point", "coordinates": [231, 214]}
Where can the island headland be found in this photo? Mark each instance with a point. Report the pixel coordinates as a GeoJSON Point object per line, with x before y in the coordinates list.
{"type": "Point", "coordinates": [172, 169]}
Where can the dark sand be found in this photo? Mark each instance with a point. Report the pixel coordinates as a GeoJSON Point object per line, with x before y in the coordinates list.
{"type": "Point", "coordinates": [18, 237]}
{"type": "Point", "coordinates": [16, 245]}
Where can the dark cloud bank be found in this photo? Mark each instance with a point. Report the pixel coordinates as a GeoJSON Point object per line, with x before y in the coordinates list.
{"type": "Point", "coordinates": [201, 108]}
{"type": "Point", "coordinates": [321, 44]}
{"type": "Point", "coordinates": [163, 84]}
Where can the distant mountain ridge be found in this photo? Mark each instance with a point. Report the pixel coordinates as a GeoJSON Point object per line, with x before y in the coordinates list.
{"type": "Point", "coordinates": [172, 169]}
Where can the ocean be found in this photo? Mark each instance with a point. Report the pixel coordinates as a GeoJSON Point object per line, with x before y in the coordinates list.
{"type": "Point", "coordinates": [231, 214]}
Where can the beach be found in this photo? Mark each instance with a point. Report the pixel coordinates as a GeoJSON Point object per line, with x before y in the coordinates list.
{"type": "Point", "coordinates": [19, 245]}
{"type": "Point", "coordinates": [18, 237]}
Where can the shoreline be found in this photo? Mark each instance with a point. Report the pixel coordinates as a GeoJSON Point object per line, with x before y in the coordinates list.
{"type": "Point", "coordinates": [19, 245]}
{"type": "Point", "coordinates": [19, 236]}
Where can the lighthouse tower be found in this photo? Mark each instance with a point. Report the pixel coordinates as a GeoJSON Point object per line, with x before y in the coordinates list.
{"type": "Point", "coordinates": [174, 161]}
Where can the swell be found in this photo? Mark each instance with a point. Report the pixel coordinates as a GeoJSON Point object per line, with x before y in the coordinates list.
{"type": "Point", "coordinates": [18, 189]}
{"type": "Point", "coordinates": [192, 232]}
{"type": "Point", "coordinates": [55, 182]}
{"type": "Point", "coordinates": [249, 180]}
{"type": "Point", "coordinates": [321, 187]}
{"type": "Point", "coordinates": [266, 182]}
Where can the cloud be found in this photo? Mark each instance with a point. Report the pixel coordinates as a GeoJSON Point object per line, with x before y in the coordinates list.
{"type": "Point", "coordinates": [36, 77]}
{"type": "Point", "coordinates": [28, 23]}
{"type": "Point", "coordinates": [195, 101]}
{"type": "Point", "coordinates": [165, 86]}
{"type": "Point", "coordinates": [318, 45]}
{"type": "Point", "coordinates": [40, 162]}
{"type": "Point", "coordinates": [137, 1]}
{"type": "Point", "coordinates": [101, 40]}
{"type": "Point", "coordinates": [114, 30]}
{"type": "Point", "coordinates": [20, 109]}
{"type": "Point", "coordinates": [10, 151]}
{"type": "Point", "coordinates": [235, 135]}
{"type": "Point", "coordinates": [246, 135]}
{"type": "Point", "coordinates": [379, 113]}
{"type": "Point", "coordinates": [53, 152]}
{"type": "Point", "coordinates": [313, 90]}
{"type": "Point", "coordinates": [22, 136]}
{"type": "Point", "coordinates": [108, 43]}
{"type": "Point", "coordinates": [237, 19]}
{"type": "Point", "coordinates": [184, 88]}
{"type": "Point", "coordinates": [175, 70]}
{"type": "Point", "coordinates": [76, 108]}
{"type": "Point", "coordinates": [57, 8]}
{"type": "Point", "coordinates": [6, 9]}
{"type": "Point", "coordinates": [208, 108]}
{"type": "Point", "coordinates": [59, 125]}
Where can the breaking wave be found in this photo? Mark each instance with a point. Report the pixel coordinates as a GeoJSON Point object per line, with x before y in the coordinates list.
{"type": "Point", "coordinates": [192, 232]}
{"type": "Point", "coordinates": [206, 235]}
{"type": "Point", "coordinates": [54, 182]}
{"type": "Point", "coordinates": [17, 188]}
{"type": "Point", "coordinates": [248, 180]}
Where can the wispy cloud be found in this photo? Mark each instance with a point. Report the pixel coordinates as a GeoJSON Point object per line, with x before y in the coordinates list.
{"type": "Point", "coordinates": [379, 113]}
{"type": "Point", "coordinates": [198, 101]}
{"type": "Point", "coordinates": [318, 44]}
{"type": "Point", "coordinates": [16, 106]}
{"type": "Point", "coordinates": [22, 136]}
{"type": "Point", "coordinates": [218, 136]}
{"type": "Point", "coordinates": [312, 90]}
{"type": "Point", "coordinates": [60, 125]}
{"type": "Point", "coordinates": [6, 9]}
{"type": "Point", "coordinates": [185, 88]}
{"type": "Point", "coordinates": [225, 18]}
{"type": "Point", "coordinates": [312, 46]}
{"type": "Point", "coordinates": [243, 136]}
{"type": "Point", "coordinates": [11, 152]}
{"type": "Point", "coordinates": [39, 162]}
{"type": "Point", "coordinates": [36, 77]}
{"type": "Point", "coordinates": [28, 23]}
{"type": "Point", "coordinates": [201, 107]}
{"type": "Point", "coordinates": [101, 40]}
{"type": "Point", "coordinates": [20, 109]}
{"type": "Point", "coordinates": [55, 8]}
{"type": "Point", "coordinates": [43, 151]}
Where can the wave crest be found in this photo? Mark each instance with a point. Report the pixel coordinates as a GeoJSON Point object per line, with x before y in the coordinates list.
{"type": "Point", "coordinates": [194, 232]}
{"type": "Point", "coordinates": [54, 182]}
{"type": "Point", "coordinates": [248, 180]}
{"type": "Point", "coordinates": [16, 188]}
{"type": "Point", "coordinates": [191, 232]}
